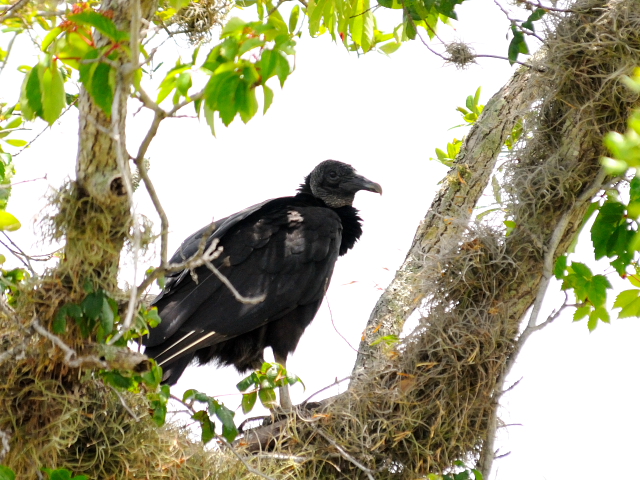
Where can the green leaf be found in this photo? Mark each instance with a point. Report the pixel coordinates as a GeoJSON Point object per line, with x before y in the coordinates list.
{"type": "Point", "coordinates": [53, 95]}
{"type": "Point", "coordinates": [581, 312]}
{"type": "Point", "coordinates": [390, 47]}
{"type": "Point", "coordinates": [250, 44]}
{"type": "Point", "coordinates": [51, 36]}
{"type": "Point", "coordinates": [58, 474]}
{"type": "Point", "coordinates": [6, 473]}
{"type": "Point", "coordinates": [361, 26]}
{"type": "Point", "coordinates": [115, 378]}
{"type": "Point", "coordinates": [14, 142]}
{"type": "Point", "coordinates": [32, 94]}
{"type": "Point", "coordinates": [106, 316]}
{"type": "Point", "coordinates": [267, 397]}
{"type": "Point", "coordinates": [593, 322]}
{"type": "Point", "coordinates": [630, 309]}
{"type": "Point", "coordinates": [209, 117]}
{"type": "Point", "coordinates": [233, 27]}
{"type": "Point", "coordinates": [446, 7]}
{"type": "Point", "coordinates": [184, 83]}
{"type": "Point", "coordinates": [517, 46]}
{"type": "Point", "coordinates": [581, 270]}
{"type": "Point", "coordinates": [92, 305]}
{"type": "Point", "coordinates": [206, 425]}
{"type": "Point", "coordinates": [103, 87]}
{"type": "Point", "coordinates": [611, 215]}
{"type": "Point", "coordinates": [314, 11]}
{"type": "Point", "coordinates": [8, 222]}
{"type": "Point", "coordinates": [248, 401]}
{"type": "Point", "coordinates": [267, 64]}
{"type": "Point", "coordinates": [293, 18]}
{"type": "Point", "coordinates": [560, 267]}
{"type": "Point", "coordinates": [229, 430]}
{"type": "Point", "coordinates": [247, 382]}
{"type": "Point", "coordinates": [282, 68]}
{"type": "Point", "coordinates": [268, 98]}
{"type": "Point", "coordinates": [247, 101]}
{"type": "Point", "coordinates": [625, 298]}
{"type": "Point", "coordinates": [597, 290]}
{"type": "Point", "coordinates": [104, 25]}
{"type": "Point", "coordinates": [537, 14]}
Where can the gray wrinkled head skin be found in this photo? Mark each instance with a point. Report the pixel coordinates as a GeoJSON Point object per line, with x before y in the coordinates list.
{"type": "Point", "coordinates": [337, 183]}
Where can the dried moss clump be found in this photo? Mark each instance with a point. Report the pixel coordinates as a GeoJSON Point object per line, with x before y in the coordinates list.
{"type": "Point", "coordinates": [198, 18]}
{"type": "Point", "coordinates": [81, 425]}
{"type": "Point", "coordinates": [460, 54]}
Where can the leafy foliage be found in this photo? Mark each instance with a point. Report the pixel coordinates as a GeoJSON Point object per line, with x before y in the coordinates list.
{"type": "Point", "coordinates": [214, 408]}
{"type": "Point", "coordinates": [263, 383]}
{"type": "Point", "coordinates": [63, 474]}
{"type": "Point", "coordinates": [6, 473]}
{"type": "Point", "coordinates": [614, 233]}
{"type": "Point", "coordinates": [470, 116]}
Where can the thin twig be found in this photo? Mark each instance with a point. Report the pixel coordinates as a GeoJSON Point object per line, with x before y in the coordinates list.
{"type": "Point", "coordinates": [237, 455]}
{"type": "Point", "coordinates": [337, 382]}
{"type": "Point", "coordinates": [532, 325]}
{"type": "Point", "coordinates": [16, 6]}
{"type": "Point", "coordinates": [336, 329]}
{"type": "Point", "coordinates": [124, 404]}
{"type": "Point", "coordinates": [71, 357]}
{"type": "Point", "coordinates": [7, 53]}
{"type": "Point", "coordinates": [546, 7]}
{"type": "Point", "coordinates": [241, 298]}
{"type": "Point", "coordinates": [504, 58]}
{"type": "Point", "coordinates": [366, 470]}
{"type": "Point", "coordinates": [282, 456]}
{"type": "Point", "coordinates": [45, 128]}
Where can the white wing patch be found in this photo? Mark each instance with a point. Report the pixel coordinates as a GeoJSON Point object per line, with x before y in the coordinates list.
{"type": "Point", "coordinates": [294, 216]}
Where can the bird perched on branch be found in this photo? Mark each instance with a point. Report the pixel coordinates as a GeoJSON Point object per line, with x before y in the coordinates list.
{"type": "Point", "coordinates": [280, 255]}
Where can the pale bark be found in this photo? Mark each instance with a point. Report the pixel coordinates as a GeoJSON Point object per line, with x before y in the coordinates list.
{"type": "Point", "coordinates": [449, 213]}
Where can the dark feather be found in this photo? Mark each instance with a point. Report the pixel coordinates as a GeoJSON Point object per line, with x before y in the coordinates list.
{"type": "Point", "coordinates": [284, 249]}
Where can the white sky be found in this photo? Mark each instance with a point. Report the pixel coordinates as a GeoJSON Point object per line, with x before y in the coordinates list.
{"type": "Point", "coordinates": [576, 404]}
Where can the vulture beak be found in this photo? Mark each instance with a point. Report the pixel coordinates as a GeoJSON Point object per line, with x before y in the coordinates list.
{"type": "Point", "coordinates": [362, 183]}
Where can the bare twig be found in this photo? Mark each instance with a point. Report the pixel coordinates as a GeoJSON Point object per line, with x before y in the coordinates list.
{"type": "Point", "coordinates": [547, 7]}
{"type": "Point", "coordinates": [124, 404]}
{"type": "Point", "coordinates": [16, 6]}
{"type": "Point", "coordinates": [282, 456]}
{"type": "Point", "coordinates": [7, 53]}
{"type": "Point", "coordinates": [229, 285]}
{"type": "Point", "coordinates": [337, 382]}
{"type": "Point", "coordinates": [336, 328]}
{"type": "Point", "coordinates": [368, 472]}
{"type": "Point", "coordinates": [71, 357]}
{"type": "Point", "coordinates": [45, 128]}
{"type": "Point", "coordinates": [532, 325]}
{"type": "Point", "coordinates": [249, 468]}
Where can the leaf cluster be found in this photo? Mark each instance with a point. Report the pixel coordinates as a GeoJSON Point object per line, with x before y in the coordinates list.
{"type": "Point", "coordinates": [54, 474]}
{"type": "Point", "coordinates": [214, 408]}
{"type": "Point", "coordinates": [262, 384]}
{"type": "Point", "coordinates": [615, 233]}
{"type": "Point", "coordinates": [470, 116]}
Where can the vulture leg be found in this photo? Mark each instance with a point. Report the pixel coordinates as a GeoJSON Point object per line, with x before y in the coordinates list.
{"type": "Point", "coordinates": [285, 399]}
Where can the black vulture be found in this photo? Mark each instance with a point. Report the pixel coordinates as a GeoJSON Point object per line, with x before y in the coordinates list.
{"type": "Point", "coordinates": [284, 249]}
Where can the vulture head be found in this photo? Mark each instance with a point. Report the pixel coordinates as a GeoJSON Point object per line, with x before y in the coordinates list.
{"type": "Point", "coordinates": [336, 183]}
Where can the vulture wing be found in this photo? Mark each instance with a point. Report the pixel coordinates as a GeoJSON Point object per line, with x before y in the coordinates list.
{"type": "Point", "coordinates": [284, 249]}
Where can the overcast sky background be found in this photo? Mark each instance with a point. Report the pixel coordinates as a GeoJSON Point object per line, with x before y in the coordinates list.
{"type": "Point", "coordinates": [576, 404]}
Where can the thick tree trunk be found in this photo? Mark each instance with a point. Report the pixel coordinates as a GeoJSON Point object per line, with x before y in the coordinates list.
{"type": "Point", "coordinates": [449, 213]}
